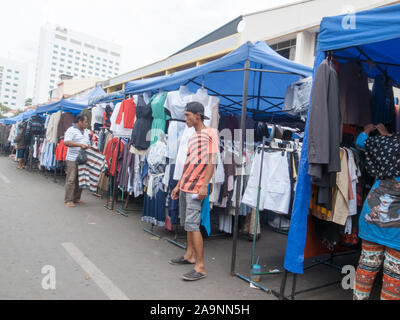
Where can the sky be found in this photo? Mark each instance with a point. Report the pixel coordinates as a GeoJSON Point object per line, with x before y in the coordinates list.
{"type": "Point", "coordinates": [148, 31]}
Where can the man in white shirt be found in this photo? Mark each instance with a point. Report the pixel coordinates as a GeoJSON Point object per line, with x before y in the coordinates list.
{"type": "Point", "coordinates": [76, 138]}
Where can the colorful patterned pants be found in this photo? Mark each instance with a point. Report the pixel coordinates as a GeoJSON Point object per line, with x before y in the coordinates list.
{"type": "Point", "coordinates": [372, 257]}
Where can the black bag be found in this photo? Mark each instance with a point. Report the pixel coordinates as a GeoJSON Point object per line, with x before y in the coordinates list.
{"type": "Point", "coordinates": [82, 157]}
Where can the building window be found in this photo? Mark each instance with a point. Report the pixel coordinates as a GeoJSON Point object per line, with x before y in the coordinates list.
{"type": "Point", "coordinates": [70, 50]}
{"type": "Point", "coordinates": [68, 73]}
{"type": "Point", "coordinates": [90, 72]}
{"type": "Point", "coordinates": [89, 46]}
{"type": "Point", "coordinates": [69, 61]}
{"type": "Point", "coordinates": [115, 54]}
{"type": "Point", "coordinates": [15, 84]}
{"type": "Point", "coordinates": [54, 64]}
{"type": "Point", "coordinates": [61, 37]}
{"type": "Point", "coordinates": [61, 65]}
{"type": "Point", "coordinates": [55, 52]}
{"type": "Point", "coordinates": [70, 56]}
{"type": "Point", "coordinates": [17, 72]}
{"type": "Point", "coordinates": [13, 104]}
{"type": "Point", "coordinates": [77, 58]}
{"type": "Point", "coordinates": [15, 98]}
{"type": "Point", "coordinates": [8, 77]}
{"type": "Point", "coordinates": [7, 90]}
{"type": "Point", "coordinates": [14, 91]}
{"type": "Point", "coordinates": [63, 54]}
{"type": "Point", "coordinates": [96, 74]}
{"type": "Point", "coordinates": [98, 58]}
{"type": "Point", "coordinates": [55, 46]}
{"type": "Point", "coordinates": [54, 58]}
{"type": "Point", "coordinates": [102, 50]}
{"type": "Point", "coordinates": [286, 49]}
{"type": "Point", "coordinates": [75, 74]}
{"type": "Point", "coordinates": [62, 48]}
{"type": "Point", "coordinates": [85, 54]}
{"type": "Point", "coordinates": [78, 52]}
{"type": "Point", "coordinates": [76, 42]}
{"type": "Point", "coordinates": [62, 60]}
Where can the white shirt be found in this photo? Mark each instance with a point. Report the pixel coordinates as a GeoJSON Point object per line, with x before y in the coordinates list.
{"type": "Point", "coordinates": [98, 114]}
{"type": "Point", "coordinates": [51, 132]}
{"type": "Point", "coordinates": [75, 135]}
{"type": "Point", "coordinates": [118, 129]}
{"type": "Point", "coordinates": [176, 102]}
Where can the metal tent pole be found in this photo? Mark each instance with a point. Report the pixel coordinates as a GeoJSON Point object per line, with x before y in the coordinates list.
{"type": "Point", "coordinates": [239, 181]}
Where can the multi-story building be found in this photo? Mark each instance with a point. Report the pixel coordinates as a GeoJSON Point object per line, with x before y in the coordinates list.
{"type": "Point", "coordinates": [13, 83]}
{"type": "Point", "coordinates": [291, 30]}
{"type": "Point", "coordinates": [64, 51]}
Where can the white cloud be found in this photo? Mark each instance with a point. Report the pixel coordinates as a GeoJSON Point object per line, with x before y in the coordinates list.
{"type": "Point", "coordinates": [148, 30]}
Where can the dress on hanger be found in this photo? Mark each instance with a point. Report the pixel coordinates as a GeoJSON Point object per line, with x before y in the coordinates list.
{"type": "Point", "coordinates": [159, 116]}
{"type": "Point", "coordinates": [142, 125]}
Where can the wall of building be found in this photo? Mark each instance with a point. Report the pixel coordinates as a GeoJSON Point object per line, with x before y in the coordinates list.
{"type": "Point", "coordinates": [13, 83]}
{"type": "Point", "coordinates": [63, 51]}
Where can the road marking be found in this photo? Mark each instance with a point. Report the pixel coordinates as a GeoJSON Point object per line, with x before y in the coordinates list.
{"type": "Point", "coordinates": [4, 178]}
{"type": "Point", "coordinates": [105, 284]}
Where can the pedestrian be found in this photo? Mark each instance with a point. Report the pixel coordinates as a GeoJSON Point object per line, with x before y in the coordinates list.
{"type": "Point", "coordinates": [379, 225]}
{"type": "Point", "coordinates": [75, 138]}
{"type": "Point", "coordinates": [193, 187]}
{"type": "Point", "coordinates": [19, 140]}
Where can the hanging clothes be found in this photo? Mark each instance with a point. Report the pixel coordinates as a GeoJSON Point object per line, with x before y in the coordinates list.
{"type": "Point", "coordinates": [275, 183]}
{"type": "Point", "coordinates": [382, 102]}
{"type": "Point", "coordinates": [159, 116]}
{"type": "Point", "coordinates": [61, 151]}
{"type": "Point", "coordinates": [142, 127]}
{"type": "Point", "coordinates": [154, 198]}
{"type": "Point", "coordinates": [89, 173]}
{"type": "Point", "coordinates": [175, 103]}
{"type": "Point", "coordinates": [98, 116]}
{"type": "Point", "coordinates": [127, 165]}
{"type": "Point", "coordinates": [107, 116]}
{"type": "Point", "coordinates": [52, 127]}
{"type": "Point", "coordinates": [111, 152]}
{"type": "Point", "coordinates": [118, 129]}
{"type": "Point", "coordinates": [66, 121]}
{"type": "Point", "coordinates": [127, 110]}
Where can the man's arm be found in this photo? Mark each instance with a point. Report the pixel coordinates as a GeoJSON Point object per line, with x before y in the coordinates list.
{"type": "Point", "coordinates": [75, 145]}
{"type": "Point", "coordinates": [209, 174]}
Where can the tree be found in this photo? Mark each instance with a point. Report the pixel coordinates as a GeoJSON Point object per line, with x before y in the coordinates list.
{"type": "Point", "coordinates": [28, 102]}
{"type": "Point", "coordinates": [4, 110]}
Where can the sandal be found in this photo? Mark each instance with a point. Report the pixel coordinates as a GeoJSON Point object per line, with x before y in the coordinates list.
{"type": "Point", "coordinates": [193, 276]}
{"type": "Point", "coordinates": [180, 261]}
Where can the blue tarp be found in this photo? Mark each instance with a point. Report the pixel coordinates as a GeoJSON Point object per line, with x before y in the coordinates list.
{"type": "Point", "coordinates": [377, 33]}
{"type": "Point", "coordinates": [115, 96]}
{"type": "Point", "coordinates": [230, 84]}
{"type": "Point", "coordinates": [73, 105]}
{"type": "Point", "coordinates": [21, 117]}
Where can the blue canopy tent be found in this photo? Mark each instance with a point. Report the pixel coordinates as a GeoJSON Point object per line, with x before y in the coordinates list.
{"type": "Point", "coordinates": [251, 81]}
{"type": "Point", "coordinates": [372, 38]}
{"type": "Point", "coordinates": [105, 98]}
{"type": "Point", "coordinates": [73, 105]}
{"type": "Point", "coordinates": [268, 74]}
{"type": "Point", "coordinates": [21, 117]}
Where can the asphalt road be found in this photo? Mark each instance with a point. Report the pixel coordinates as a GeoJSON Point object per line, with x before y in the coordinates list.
{"type": "Point", "coordinates": [96, 254]}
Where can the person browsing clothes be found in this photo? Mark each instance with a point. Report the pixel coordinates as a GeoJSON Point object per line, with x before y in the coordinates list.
{"type": "Point", "coordinates": [75, 138]}
{"type": "Point", "coordinates": [193, 187]}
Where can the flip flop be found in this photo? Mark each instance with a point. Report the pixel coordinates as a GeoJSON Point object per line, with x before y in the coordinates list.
{"type": "Point", "coordinates": [193, 276]}
{"type": "Point", "coordinates": [180, 261]}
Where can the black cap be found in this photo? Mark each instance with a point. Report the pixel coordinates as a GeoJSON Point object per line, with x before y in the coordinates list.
{"type": "Point", "coordinates": [196, 107]}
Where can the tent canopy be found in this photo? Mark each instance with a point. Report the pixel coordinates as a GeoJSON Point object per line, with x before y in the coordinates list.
{"type": "Point", "coordinates": [21, 117]}
{"type": "Point", "coordinates": [371, 36]}
{"type": "Point", "coordinates": [368, 36]}
{"type": "Point", "coordinates": [266, 89]}
{"type": "Point", "coordinates": [104, 98]}
{"type": "Point", "coordinates": [73, 105]}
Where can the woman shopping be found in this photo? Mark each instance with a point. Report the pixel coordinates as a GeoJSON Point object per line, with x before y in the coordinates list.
{"type": "Point", "coordinates": [380, 218]}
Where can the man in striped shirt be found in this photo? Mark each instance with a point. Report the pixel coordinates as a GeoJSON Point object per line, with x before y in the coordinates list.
{"type": "Point", "coordinates": [76, 138]}
{"type": "Point", "coordinates": [192, 189]}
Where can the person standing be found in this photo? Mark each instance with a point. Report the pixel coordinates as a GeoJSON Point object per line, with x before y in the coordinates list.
{"type": "Point", "coordinates": [379, 226]}
{"type": "Point", "coordinates": [19, 140]}
{"type": "Point", "coordinates": [75, 138]}
{"type": "Point", "coordinates": [193, 187]}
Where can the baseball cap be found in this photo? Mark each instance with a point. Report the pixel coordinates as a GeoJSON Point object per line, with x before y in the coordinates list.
{"type": "Point", "coordinates": [196, 107]}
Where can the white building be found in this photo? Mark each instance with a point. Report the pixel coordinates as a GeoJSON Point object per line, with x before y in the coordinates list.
{"type": "Point", "coordinates": [13, 83]}
{"type": "Point", "coordinates": [64, 51]}
{"type": "Point", "coordinates": [290, 30]}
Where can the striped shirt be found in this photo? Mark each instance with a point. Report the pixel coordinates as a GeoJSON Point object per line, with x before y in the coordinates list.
{"type": "Point", "coordinates": [200, 146]}
{"type": "Point", "coordinates": [89, 173]}
{"type": "Point", "coordinates": [75, 135]}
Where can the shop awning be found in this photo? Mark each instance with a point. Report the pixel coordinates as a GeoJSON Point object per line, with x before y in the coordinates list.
{"type": "Point", "coordinates": [270, 75]}
{"type": "Point", "coordinates": [21, 117]}
{"type": "Point", "coordinates": [112, 97]}
{"type": "Point", "coordinates": [372, 38]}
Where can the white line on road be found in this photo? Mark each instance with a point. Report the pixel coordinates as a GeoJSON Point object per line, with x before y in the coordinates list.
{"type": "Point", "coordinates": [105, 284]}
{"type": "Point", "coordinates": [4, 178]}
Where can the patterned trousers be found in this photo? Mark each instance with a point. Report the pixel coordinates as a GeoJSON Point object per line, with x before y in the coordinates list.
{"type": "Point", "coordinates": [372, 257]}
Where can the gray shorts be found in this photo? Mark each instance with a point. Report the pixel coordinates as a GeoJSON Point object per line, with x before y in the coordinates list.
{"type": "Point", "coordinates": [189, 212]}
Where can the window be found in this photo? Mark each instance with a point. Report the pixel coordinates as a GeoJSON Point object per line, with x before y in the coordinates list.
{"type": "Point", "coordinates": [8, 83]}
{"type": "Point", "coordinates": [5, 102]}
{"type": "Point", "coordinates": [69, 61]}
{"type": "Point", "coordinates": [53, 69]}
{"type": "Point", "coordinates": [91, 56]}
{"type": "Point", "coordinates": [105, 60]}
{"type": "Point", "coordinates": [77, 63]}
{"type": "Point", "coordinates": [76, 42]}
{"type": "Point", "coordinates": [90, 67]}
{"type": "Point", "coordinates": [76, 69]}
{"type": "Point", "coordinates": [8, 77]}
{"type": "Point", "coordinates": [84, 60]}
{"type": "Point", "coordinates": [62, 60]}
{"type": "Point", "coordinates": [83, 66]}
{"type": "Point", "coordinates": [15, 98]}
{"type": "Point", "coordinates": [52, 75]}
{"type": "Point", "coordinates": [61, 65]}
{"type": "Point", "coordinates": [98, 58]}
{"type": "Point", "coordinates": [75, 74]}
{"type": "Point", "coordinates": [55, 52]}
{"type": "Point", "coordinates": [91, 62]}
{"type": "Point", "coordinates": [102, 50]}
{"type": "Point", "coordinates": [117, 63]}
{"type": "Point", "coordinates": [111, 62]}
{"type": "Point", "coordinates": [115, 54]}
{"type": "Point", "coordinates": [55, 46]}
{"type": "Point", "coordinates": [97, 69]}
{"type": "Point", "coordinates": [85, 54]}
{"type": "Point", "coordinates": [78, 52]}
{"type": "Point", "coordinates": [70, 50]}
{"type": "Point", "coordinates": [61, 37]}
{"type": "Point", "coordinates": [77, 58]}
{"type": "Point", "coordinates": [61, 71]}
{"type": "Point", "coordinates": [89, 46]}
{"type": "Point", "coordinates": [69, 67]}
{"type": "Point", "coordinates": [97, 63]}
{"type": "Point", "coordinates": [68, 73]}
{"type": "Point", "coordinates": [70, 56]}
{"type": "Point", "coordinates": [96, 74]}
{"type": "Point", "coordinates": [104, 65]}
{"type": "Point", "coordinates": [14, 91]}
{"type": "Point", "coordinates": [54, 58]}
{"type": "Point", "coordinates": [8, 90]}
{"type": "Point", "coordinates": [17, 72]}
{"type": "Point", "coordinates": [15, 84]}
{"type": "Point", "coordinates": [115, 74]}
{"type": "Point", "coordinates": [13, 104]}
{"type": "Point", "coordinates": [64, 49]}
{"type": "Point", "coordinates": [103, 70]}
{"type": "Point", "coordinates": [63, 54]}
{"type": "Point", "coordinates": [16, 78]}
{"type": "Point", "coordinates": [9, 70]}
{"type": "Point", "coordinates": [6, 96]}
{"type": "Point", "coordinates": [54, 64]}
{"type": "Point", "coordinates": [90, 72]}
